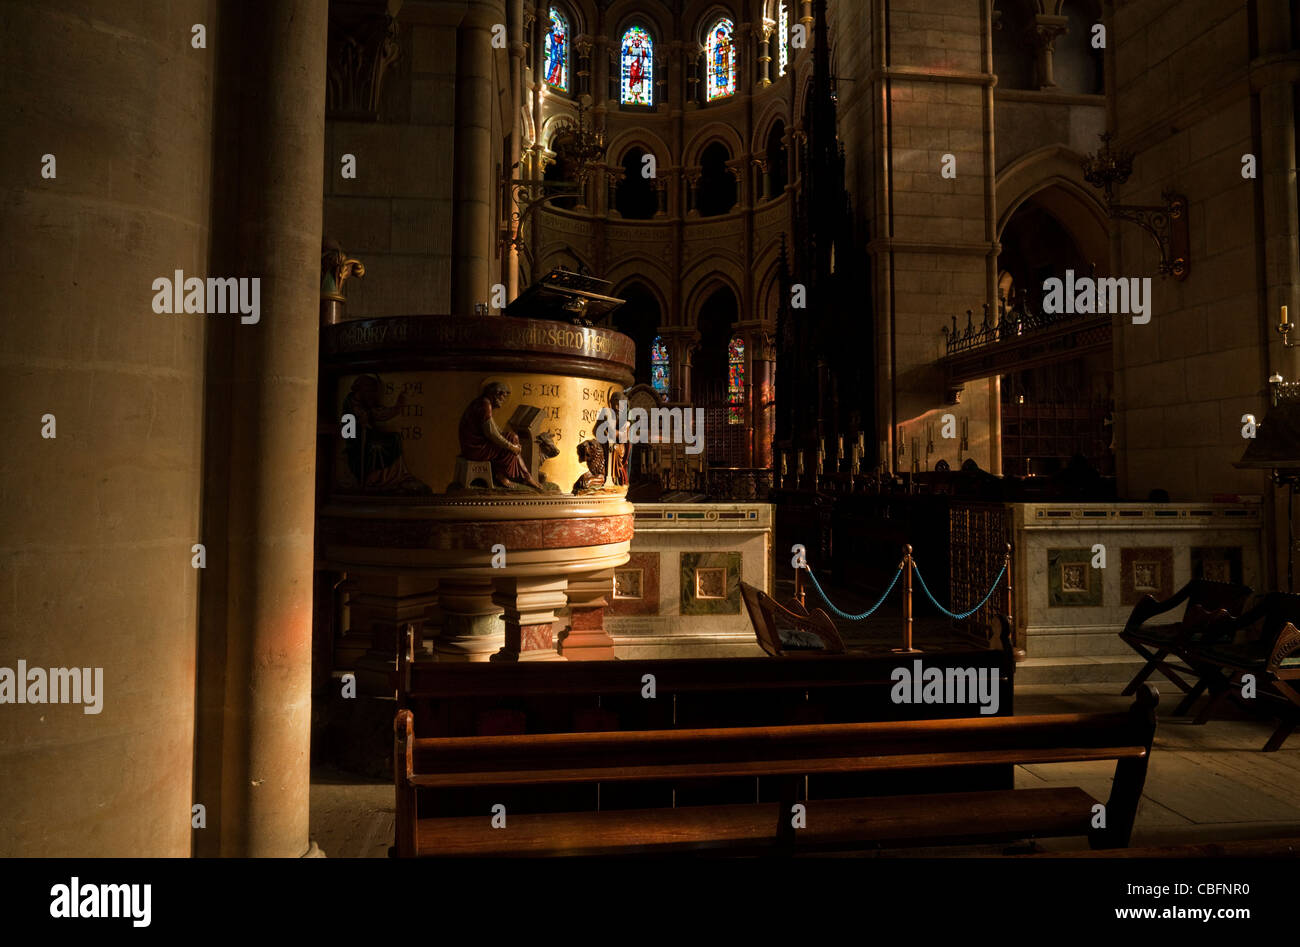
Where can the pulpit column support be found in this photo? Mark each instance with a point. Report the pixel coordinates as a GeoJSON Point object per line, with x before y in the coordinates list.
{"type": "Point", "coordinates": [530, 604]}
{"type": "Point", "coordinates": [589, 596]}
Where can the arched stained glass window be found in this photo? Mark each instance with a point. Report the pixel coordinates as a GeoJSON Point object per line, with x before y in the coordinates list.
{"type": "Point", "coordinates": [659, 366]}
{"type": "Point", "coordinates": [638, 58]}
{"type": "Point", "coordinates": [736, 381]}
{"type": "Point", "coordinates": [721, 52]}
{"type": "Point", "coordinates": [557, 52]}
{"type": "Point", "coordinates": [783, 38]}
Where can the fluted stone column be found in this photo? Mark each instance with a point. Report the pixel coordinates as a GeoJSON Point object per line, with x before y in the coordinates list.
{"type": "Point", "coordinates": [472, 210]}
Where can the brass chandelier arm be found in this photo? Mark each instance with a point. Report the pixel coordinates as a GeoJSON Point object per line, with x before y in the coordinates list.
{"type": "Point", "coordinates": [1165, 223]}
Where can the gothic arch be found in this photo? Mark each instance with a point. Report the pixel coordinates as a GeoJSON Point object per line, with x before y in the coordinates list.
{"type": "Point", "coordinates": [777, 111]}
{"type": "Point", "coordinates": [553, 126]}
{"type": "Point", "coordinates": [577, 14]}
{"type": "Point", "coordinates": [1053, 175]}
{"type": "Point", "coordinates": [724, 132]}
{"type": "Point", "coordinates": [561, 255]}
{"type": "Point", "coordinates": [704, 15]}
{"type": "Point", "coordinates": [628, 13]}
{"type": "Point", "coordinates": [767, 286]}
{"type": "Point", "coordinates": [652, 282]}
{"type": "Point", "coordinates": [638, 136]}
{"type": "Point", "coordinates": [638, 267]}
{"type": "Point", "coordinates": [719, 274]}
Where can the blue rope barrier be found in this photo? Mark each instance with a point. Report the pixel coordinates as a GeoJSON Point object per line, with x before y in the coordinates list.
{"type": "Point", "coordinates": [963, 615]}
{"type": "Point", "coordinates": [869, 612]}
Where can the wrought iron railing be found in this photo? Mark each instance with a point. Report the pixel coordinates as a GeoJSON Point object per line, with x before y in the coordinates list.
{"type": "Point", "coordinates": [1016, 320]}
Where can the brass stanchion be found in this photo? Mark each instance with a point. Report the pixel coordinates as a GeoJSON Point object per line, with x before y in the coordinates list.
{"type": "Point", "coordinates": [798, 588]}
{"type": "Point", "coordinates": [1017, 652]}
{"type": "Point", "coordinates": [906, 566]}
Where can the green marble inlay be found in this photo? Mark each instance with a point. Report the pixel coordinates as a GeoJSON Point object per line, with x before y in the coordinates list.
{"type": "Point", "coordinates": [693, 604]}
{"type": "Point", "coordinates": [1071, 579]}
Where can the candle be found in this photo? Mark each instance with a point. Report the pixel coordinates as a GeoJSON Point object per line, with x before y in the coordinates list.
{"type": "Point", "coordinates": [1284, 319]}
{"type": "Point", "coordinates": [839, 447]}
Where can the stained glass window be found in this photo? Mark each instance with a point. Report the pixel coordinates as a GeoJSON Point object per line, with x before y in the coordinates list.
{"type": "Point", "coordinates": [721, 53]}
{"type": "Point", "coordinates": [783, 38]}
{"type": "Point", "coordinates": [736, 381]}
{"type": "Point", "coordinates": [638, 57]}
{"type": "Point", "coordinates": [659, 366]}
{"type": "Point", "coordinates": [557, 52]}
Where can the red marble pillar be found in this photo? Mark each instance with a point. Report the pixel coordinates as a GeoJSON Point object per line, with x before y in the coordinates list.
{"type": "Point", "coordinates": [529, 604]}
{"type": "Point", "coordinates": [587, 639]}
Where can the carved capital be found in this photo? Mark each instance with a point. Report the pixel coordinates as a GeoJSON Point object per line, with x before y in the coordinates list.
{"type": "Point", "coordinates": [362, 46]}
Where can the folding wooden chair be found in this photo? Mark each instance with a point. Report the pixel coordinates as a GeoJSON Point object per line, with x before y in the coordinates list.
{"type": "Point", "coordinates": [783, 632]}
{"type": "Point", "coordinates": [1272, 656]}
{"type": "Point", "coordinates": [1155, 643]}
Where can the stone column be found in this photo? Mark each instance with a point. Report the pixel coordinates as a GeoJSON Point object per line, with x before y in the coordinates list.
{"type": "Point", "coordinates": [259, 515]}
{"type": "Point", "coordinates": [612, 177]}
{"type": "Point", "coordinates": [692, 190]}
{"type": "Point", "coordinates": [530, 603]}
{"type": "Point", "coordinates": [471, 628]}
{"type": "Point", "coordinates": [384, 605]}
{"type": "Point", "coordinates": [517, 52]}
{"type": "Point", "coordinates": [680, 342]}
{"type": "Point", "coordinates": [100, 518]}
{"type": "Point", "coordinates": [1045, 32]}
{"type": "Point", "coordinates": [472, 211]}
{"type": "Point", "coordinates": [762, 366]}
{"type": "Point", "coordinates": [587, 639]}
{"type": "Point", "coordinates": [600, 79]}
{"type": "Point", "coordinates": [1280, 230]}
{"type": "Point", "coordinates": [765, 53]}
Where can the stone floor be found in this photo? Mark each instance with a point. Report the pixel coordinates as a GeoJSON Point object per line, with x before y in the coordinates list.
{"type": "Point", "coordinates": [1206, 783]}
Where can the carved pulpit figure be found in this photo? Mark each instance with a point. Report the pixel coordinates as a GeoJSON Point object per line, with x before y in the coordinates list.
{"type": "Point", "coordinates": [524, 425]}
{"type": "Point", "coordinates": [618, 462]}
{"type": "Point", "coordinates": [482, 440]}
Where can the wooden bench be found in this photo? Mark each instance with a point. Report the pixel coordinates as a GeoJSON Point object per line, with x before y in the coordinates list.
{"type": "Point", "coordinates": [1268, 648]}
{"type": "Point", "coordinates": [1157, 643]}
{"type": "Point", "coordinates": [456, 699]}
{"type": "Point", "coordinates": [536, 760]}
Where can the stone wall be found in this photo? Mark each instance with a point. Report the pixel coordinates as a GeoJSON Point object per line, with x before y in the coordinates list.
{"type": "Point", "coordinates": [679, 594]}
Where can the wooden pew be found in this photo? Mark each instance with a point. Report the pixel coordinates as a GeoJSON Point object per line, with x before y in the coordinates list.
{"type": "Point", "coordinates": [1157, 643]}
{"type": "Point", "coordinates": [1271, 652]}
{"type": "Point", "coordinates": [449, 698]}
{"type": "Point", "coordinates": [535, 760]}
{"type": "Point", "coordinates": [489, 699]}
